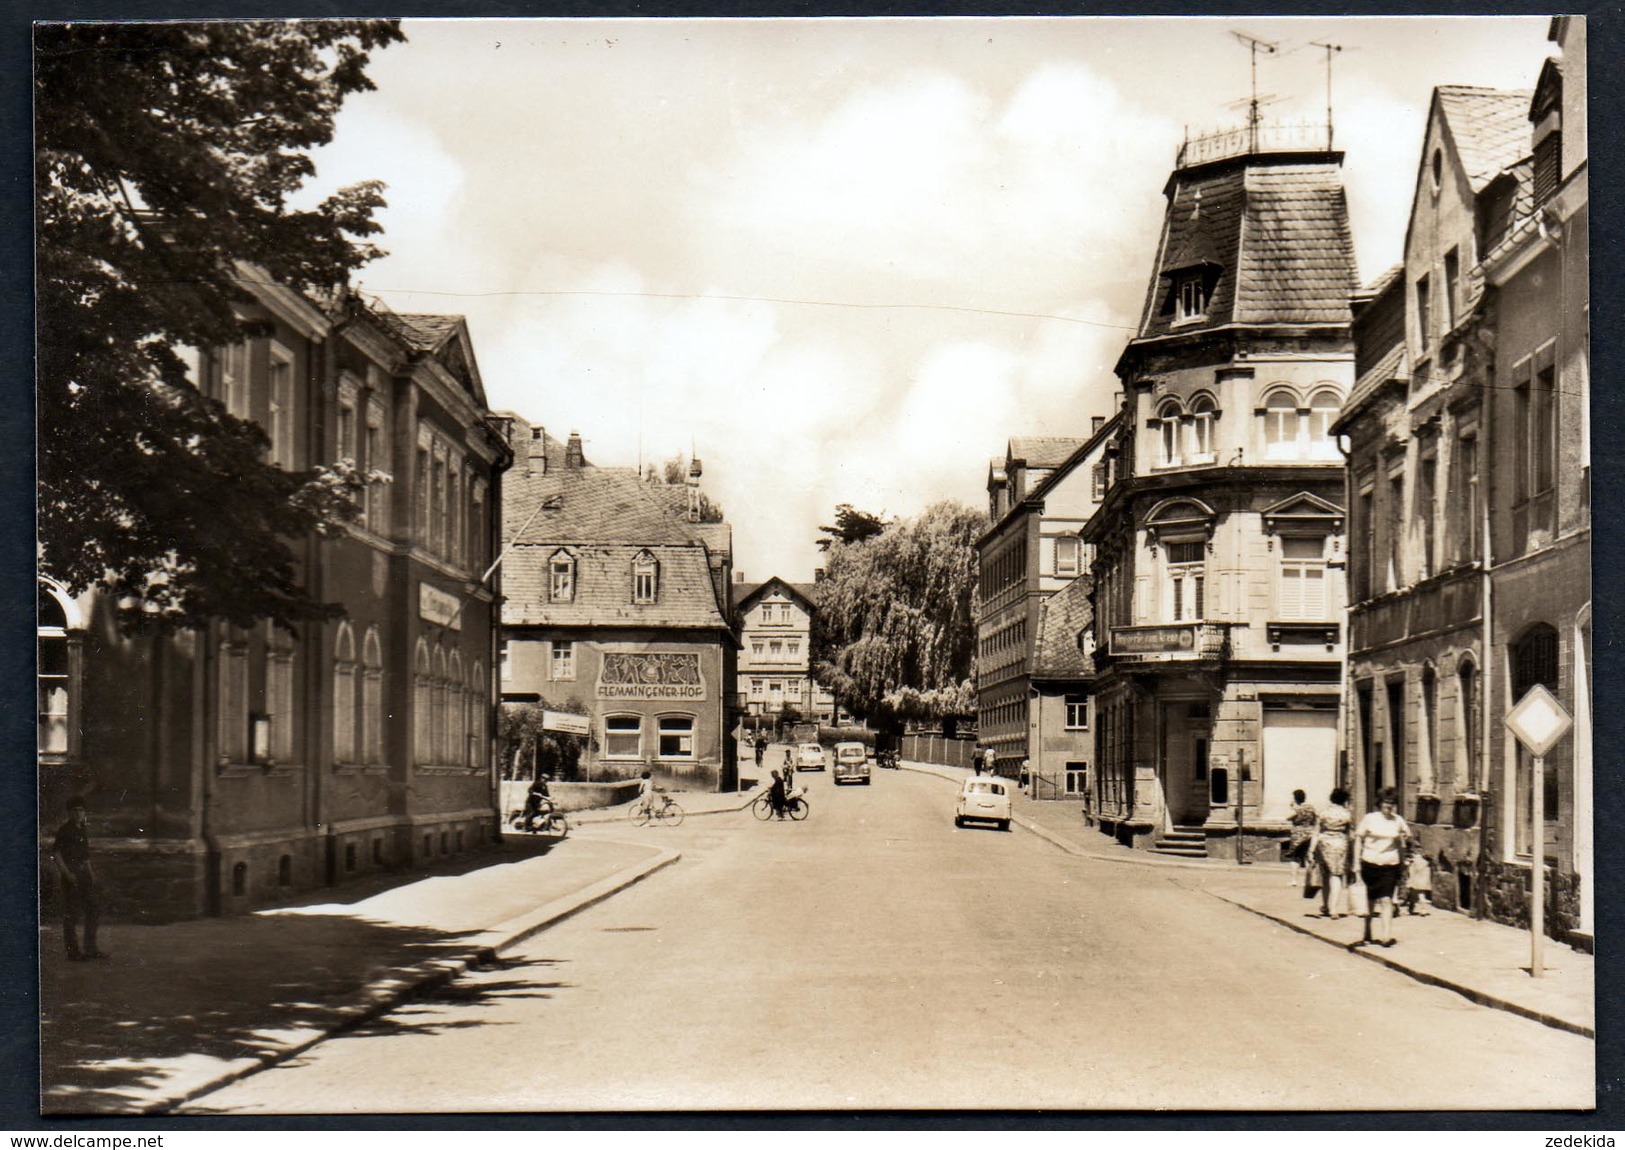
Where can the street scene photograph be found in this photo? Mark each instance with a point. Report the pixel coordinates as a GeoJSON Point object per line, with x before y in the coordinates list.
{"type": "Point", "coordinates": [694, 566]}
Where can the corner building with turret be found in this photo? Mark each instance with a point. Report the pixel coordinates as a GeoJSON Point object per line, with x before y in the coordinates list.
{"type": "Point", "coordinates": [1219, 546]}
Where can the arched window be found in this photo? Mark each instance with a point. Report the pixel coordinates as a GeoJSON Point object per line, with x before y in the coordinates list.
{"type": "Point", "coordinates": [1168, 416]}
{"type": "Point", "coordinates": [422, 702]}
{"type": "Point", "coordinates": [1323, 408]}
{"type": "Point", "coordinates": [476, 716]}
{"type": "Point", "coordinates": [437, 713]}
{"type": "Point", "coordinates": [456, 711]}
{"type": "Point", "coordinates": [645, 578]}
{"type": "Point", "coordinates": [372, 698]}
{"type": "Point", "coordinates": [1280, 415]}
{"type": "Point", "coordinates": [561, 577]}
{"type": "Point", "coordinates": [58, 679]}
{"type": "Point", "coordinates": [280, 647]}
{"type": "Point", "coordinates": [1467, 725]}
{"type": "Point", "coordinates": [232, 666]}
{"type": "Point", "coordinates": [1203, 414]}
{"type": "Point", "coordinates": [344, 692]}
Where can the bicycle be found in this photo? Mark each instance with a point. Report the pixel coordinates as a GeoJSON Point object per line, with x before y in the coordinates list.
{"type": "Point", "coordinates": [667, 812]}
{"type": "Point", "coordinates": [796, 807]}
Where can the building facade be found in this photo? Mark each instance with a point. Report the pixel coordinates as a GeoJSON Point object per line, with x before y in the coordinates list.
{"type": "Point", "coordinates": [1039, 495]}
{"type": "Point", "coordinates": [1536, 271]}
{"type": "Point", "coordinates": [1062, 677]}
{"type": "Point", "coordinates": [775, 656]}
{"type": "Point", "coordinates": [230, 767]}
{"type": "Point", "coordinates": [1469, 481]}
{"type": "Point", "coordinates": [617, 609]}
{"type": "Point", "coordinates": [1219, 546]}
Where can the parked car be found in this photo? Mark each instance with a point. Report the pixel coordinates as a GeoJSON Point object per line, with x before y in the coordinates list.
{"type": "Point", "coordinates": [851, 763]}
{"type": "Point", "coordinates": [983, 799]}
{"type": "Point", "coordinates": [809, 757]}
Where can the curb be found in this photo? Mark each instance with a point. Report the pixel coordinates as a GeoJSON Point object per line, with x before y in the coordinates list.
{"type": "Point", "coordinates": [1070, 847]}
{"type": "Point", "coordinates": [385, 994]}
{"type": "Point", "coordinates": [1478, 997]}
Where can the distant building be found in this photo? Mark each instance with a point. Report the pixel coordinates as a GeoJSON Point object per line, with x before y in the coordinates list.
{"type": "Point", "coordinates": [1219, 547]}
{"type": "Point", "coordinates": [616, 607]}
{"type": "Point", "coordinates": [775, 657]}
{"type": "Point", "coordinates": [228, 768]}
{"type": "Point", "coordinates": [1062, 675]}
{"type": "Point", "coordinates": [1039, 495]}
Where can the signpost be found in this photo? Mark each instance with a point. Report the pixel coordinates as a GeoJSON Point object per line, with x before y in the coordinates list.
{"type": "Point", "coordinates": [566, 723]}
{"type": "Point", "coordinates": [1538, 721]}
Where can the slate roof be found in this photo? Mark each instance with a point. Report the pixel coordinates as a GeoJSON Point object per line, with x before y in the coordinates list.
{"type": "Point", "coordinates": [1383, 282]}
{"type": "Point", "coordinates": [1042, 450]}
{"type": "Point", "coordinates": [1490, 128]}
{"type": "Point", "coordinates": [422, 332]}
{"type": "Point", "coordinates": [1297, 252]}
{"type": "Point", "coordinates": [744, 592]}
{"type": "Point", "coordinates": [1395, 364]}
{"type": "Point", "coordinates": [603, 588]}
{"type": "Point", "coordinates": [1060, 618]}
{"type": "Point", "coordinates": [1275, 231]}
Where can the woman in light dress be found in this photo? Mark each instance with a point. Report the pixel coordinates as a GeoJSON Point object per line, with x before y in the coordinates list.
{"type": "Point", "coordinates": [1380, 841]}
{"type": "Point", "coordinates": [1329, 849]}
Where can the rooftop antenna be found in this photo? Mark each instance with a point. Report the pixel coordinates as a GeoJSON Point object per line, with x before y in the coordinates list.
{"type": "Point", "coordinates": [1254, 44]}
{"type": "Point", "coordinates": [1330, 49]}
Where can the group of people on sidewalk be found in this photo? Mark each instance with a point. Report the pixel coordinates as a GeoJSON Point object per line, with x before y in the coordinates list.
{"type": "Point", "coordinates": [1363, 868]}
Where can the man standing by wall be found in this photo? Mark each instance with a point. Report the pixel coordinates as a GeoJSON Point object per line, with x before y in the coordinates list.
{"type": "Point", "coordinates": [77, 882]}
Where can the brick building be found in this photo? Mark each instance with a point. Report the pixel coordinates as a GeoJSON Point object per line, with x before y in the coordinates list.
{"type": "Point", "coordinates": [227, 768]}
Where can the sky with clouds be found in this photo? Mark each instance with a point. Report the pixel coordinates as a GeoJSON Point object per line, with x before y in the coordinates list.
{"type": "Point", "coordinates": [840, 260]}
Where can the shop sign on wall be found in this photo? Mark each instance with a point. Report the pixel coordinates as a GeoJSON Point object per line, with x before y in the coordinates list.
{"type": "Point", "coordinates": [437, 607]}
{"type": "Point", "coordinates": [651, 675]}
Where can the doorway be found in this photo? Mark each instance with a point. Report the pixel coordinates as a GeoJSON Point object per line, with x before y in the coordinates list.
{"type": "Point", "coordinates": [1187, 731]}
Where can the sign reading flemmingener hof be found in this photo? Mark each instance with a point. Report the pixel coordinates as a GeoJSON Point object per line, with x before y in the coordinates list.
{"type": "Point", "coordinates": [651, 675]}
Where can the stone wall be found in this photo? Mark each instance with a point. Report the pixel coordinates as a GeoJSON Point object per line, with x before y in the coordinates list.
{"type": "Point", "coordinates": [1506, 898]}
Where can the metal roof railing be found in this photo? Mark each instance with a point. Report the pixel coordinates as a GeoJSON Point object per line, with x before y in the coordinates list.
{"type": "Point", "coordinates": [1308, 136]}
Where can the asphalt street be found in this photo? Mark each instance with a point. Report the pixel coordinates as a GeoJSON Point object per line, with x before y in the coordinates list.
{"type": "Point", "coordinates": [876, 957]}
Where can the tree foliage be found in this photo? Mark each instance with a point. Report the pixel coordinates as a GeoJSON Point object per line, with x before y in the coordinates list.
{"type": "Point", "coordinates": [165, 154]}
{"type": "Point", "coordinates": [674, 473]}
{"type": "Point", "coordinates": [525, 747]}
{"type": "Point", "coordinates": [851, 526]}
{"type": "Point", "coordinates": [895, 629]}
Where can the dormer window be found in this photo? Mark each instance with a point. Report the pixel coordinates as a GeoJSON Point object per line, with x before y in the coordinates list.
{"type": "Point", "coordinates": [562, 577]}
{"type": "Point", "coordinates": [1191, 296]}
{"type": "Point", "coordinates": [645, 578]}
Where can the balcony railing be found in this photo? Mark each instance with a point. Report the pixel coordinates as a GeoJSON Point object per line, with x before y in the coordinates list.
{"type": "Point", "coordinates": [1245, 141]}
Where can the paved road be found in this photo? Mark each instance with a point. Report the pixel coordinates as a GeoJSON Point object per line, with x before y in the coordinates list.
{"type": "Point", "coordinates": [876, 957]}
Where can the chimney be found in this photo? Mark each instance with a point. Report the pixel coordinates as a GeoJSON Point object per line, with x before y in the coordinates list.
{"type": "Point", "coordinates": [739, 576]}
{"type": "Point", "coordinates": [572, 452]}
{"type": "Point", "coordinates": [1096, 422]}
{"type": "Point", "coordinates": [536, 463]}
{"type": "Point", "coordinates": [819, 574]}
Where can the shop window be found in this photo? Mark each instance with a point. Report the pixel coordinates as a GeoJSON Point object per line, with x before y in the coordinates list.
{"type": "Point", "coordinates": [623, 737]}
{"type": "Point", "coordinates": [677, 737]}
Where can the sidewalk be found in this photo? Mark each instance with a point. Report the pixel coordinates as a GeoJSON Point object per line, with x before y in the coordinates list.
{"type": "Point", "coordinates": [1486, 962]}
{"type": "Point", "coordinates": [185, 1007]}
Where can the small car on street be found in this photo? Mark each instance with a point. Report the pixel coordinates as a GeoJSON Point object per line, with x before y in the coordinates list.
{"type": "Point", "coordinates": [983, 799]}
{"type": "Point", "coordinates": [809, 757]}
{"type": "Point", "coordinates": [851, 763]}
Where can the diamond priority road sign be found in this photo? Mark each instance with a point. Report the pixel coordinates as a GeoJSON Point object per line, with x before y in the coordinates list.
{"type": "Point", "coordinates": [1539, 720]}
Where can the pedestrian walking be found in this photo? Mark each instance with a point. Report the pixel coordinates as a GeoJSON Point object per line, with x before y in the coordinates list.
{"type": "Point", "coordinates": [1380, 841]}
{"type": "Point", "coordinates": [761, 749]}
{"type": "Point", "coordinates": [1330, 852]}
{"type": "Point", "coordinates": [1302, 820]}
{"type": "Point", "coordinates": [76, 882]}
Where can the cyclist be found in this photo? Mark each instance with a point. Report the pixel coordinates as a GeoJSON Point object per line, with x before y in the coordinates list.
{"type": "Point", "coordinates": [761, 749]}
{"type": "Point", "coordinates": [648, 794]}
{"type": "Point", "coordinates": [538, 803]}
{"type": "Point", "coordinates": [777, 796]}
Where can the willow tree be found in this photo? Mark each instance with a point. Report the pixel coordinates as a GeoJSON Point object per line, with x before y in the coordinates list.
{"type": "Point", "coordinates": [895, 630]}
{"type": "Point", "coordinates": [167, 159]}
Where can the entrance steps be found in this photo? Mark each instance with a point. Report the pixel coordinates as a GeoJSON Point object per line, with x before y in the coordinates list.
{"type": "Point", "coordinates": [1183, 842]}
